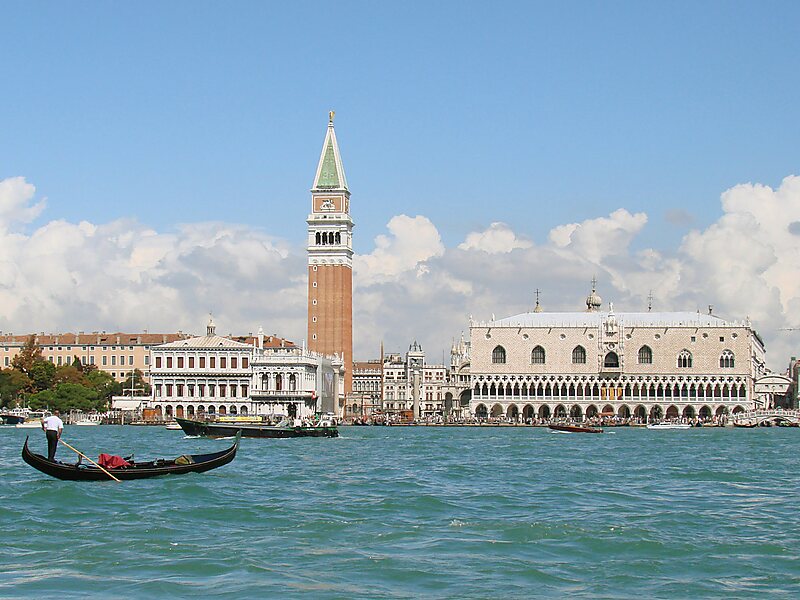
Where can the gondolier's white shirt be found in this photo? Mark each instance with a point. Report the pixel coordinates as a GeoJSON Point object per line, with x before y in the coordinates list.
{"type": "Point", "coordinates": [53, 423]}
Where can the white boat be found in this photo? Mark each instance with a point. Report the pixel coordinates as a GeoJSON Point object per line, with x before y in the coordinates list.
{"type": "Point", "coordinates": [172, 426]}
{"type": "Point", "coordinates": [669, 426]}
{"type": "Point", "coordinates": [86, 422]}
{"type": "Point", "coordinates": [30, 424]}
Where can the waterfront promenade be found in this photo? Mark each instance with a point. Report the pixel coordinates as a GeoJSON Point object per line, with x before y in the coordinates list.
{"type": "Point", "coordinates": [409, 512]}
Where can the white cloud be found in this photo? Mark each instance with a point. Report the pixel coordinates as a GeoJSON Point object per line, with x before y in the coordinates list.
{"type": "Point", "coordinates": [413, 241]}
{"type": "Point", "coordinates": [498, 238]}
{"type": "Point", "coordinates": [124, 275]}
{"type": "Point", "coordinates": [15, 201]}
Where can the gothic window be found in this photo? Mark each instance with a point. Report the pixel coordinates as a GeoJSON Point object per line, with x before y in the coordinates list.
{"type": "Point", "coordinates": [684, 359]}
{"type": "Point", "coordinates": [579, 355]}
{"type": "Point", "coordinates": [726, 360]}
{"type": "Point", "coordinates": [499, 355]}
{"type": "Point", "coordinates": [338, 238]}
{"type": "Point", "coordinates": [645, 355]}
{"type": "Point", "coordinates": [537, 356]}
{"type": "Point", "coordinates": [611, 360]}
{"type": "Point", "coordinates": [319, 238]}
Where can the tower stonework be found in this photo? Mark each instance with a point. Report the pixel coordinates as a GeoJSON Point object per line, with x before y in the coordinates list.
{"type": "Point", "coordinates": [330, 259]}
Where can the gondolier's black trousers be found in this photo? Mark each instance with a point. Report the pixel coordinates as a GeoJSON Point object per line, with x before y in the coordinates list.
{"type": "Point", "coordinates": [52, 443]}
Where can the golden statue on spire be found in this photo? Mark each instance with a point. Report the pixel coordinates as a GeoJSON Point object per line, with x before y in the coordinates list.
{"type": "Point", "coordinates": [331, 114]}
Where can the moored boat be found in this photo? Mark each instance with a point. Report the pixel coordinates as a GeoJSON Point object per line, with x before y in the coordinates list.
{"type": "Point", "coordinates": [575, 428]}
{"type": "Point", "coordinates": [282, 430]}
{"type": "Point", "coordinates": [187, 463]}
{"type": "Point", "coordinates": [669, 426]}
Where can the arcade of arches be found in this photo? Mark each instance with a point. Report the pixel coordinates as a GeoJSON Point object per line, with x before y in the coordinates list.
{"type": "Point", "coordinates": [578, 412]}
{"type": "Point", "coordinates": [194, 409]}
{"type": "Point", "coordinates": [545, 397]}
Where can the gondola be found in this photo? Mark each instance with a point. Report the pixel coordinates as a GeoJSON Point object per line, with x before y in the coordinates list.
{"type": "Point", "coordinates": [188, 463]}
{"type": "Point", "coordinates": [575, 429]}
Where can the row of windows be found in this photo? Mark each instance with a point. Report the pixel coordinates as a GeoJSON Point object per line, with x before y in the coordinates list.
{"type": "Point", "coordinates": [220, 390]}
{"type": "Point", "coordinates": [645, 357]}
{"type": "Point", "coordinates": [326, 238]}
{"type": "Point", "coordinates": [180, 361]}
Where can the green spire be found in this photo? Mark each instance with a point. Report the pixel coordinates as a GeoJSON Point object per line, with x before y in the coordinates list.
{"type": "Point", "coordinates": [328, 174]}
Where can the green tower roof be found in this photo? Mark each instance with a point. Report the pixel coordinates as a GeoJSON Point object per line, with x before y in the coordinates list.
{"type": "Point", "coordinates": [328, 175]}
{"type": "Point", "coordinates": [330, 172]}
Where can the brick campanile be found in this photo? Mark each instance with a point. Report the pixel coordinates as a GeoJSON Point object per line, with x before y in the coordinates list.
{"type": "Point", "coordinates": [330, 259]}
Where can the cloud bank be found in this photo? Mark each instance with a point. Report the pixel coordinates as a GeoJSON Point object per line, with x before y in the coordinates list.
{"type": "Point", "coordinates": [123, 275]}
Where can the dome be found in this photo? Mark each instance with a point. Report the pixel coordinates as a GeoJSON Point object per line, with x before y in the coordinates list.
{"type": "Point", "coordinates": [593, 301]}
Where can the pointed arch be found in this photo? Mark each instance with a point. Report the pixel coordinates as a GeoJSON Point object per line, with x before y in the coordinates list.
{"type": "Point", "coordinates": [645, 355]}
{"type": "Point", "coordinates": [684, 359]}
{"type": "Point", "coordinates": [579, 355]}
{"type": "Point", "coordinates": [538, 356]}
{"type": "Point", "coordinates": [499, 355]}
{"type": "Point", "coordinates": [726, 359]}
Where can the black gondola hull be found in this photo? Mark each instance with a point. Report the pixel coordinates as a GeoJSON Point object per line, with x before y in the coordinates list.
{"type": "Point", "coordinates": [68, 472]}
{"type": "Point", "coordinates": [220, 430]}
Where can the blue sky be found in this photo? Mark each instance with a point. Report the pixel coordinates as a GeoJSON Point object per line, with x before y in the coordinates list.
{"type": "Point", "coordinates": [467, 112]}
{"type": "Point", "coordinates": [464, 114]}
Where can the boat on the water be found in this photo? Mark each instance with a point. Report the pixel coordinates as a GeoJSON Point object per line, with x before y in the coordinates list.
{"type": "Point", "coordinates": [284, 429]}
{"type": "Point", "coordinates": [187, 463]}
{"type": "Point", "coordinates": [173, 426]}
{"type": "Point", "coordinates": [86, 422]}
{"type": "Point", "coordinates": [669, 426]}
{"type": "Point", "coordinates": [575, 428]}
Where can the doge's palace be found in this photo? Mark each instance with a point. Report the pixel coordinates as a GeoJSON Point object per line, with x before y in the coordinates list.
{"type": "Point", "coordinates": [641, 365]}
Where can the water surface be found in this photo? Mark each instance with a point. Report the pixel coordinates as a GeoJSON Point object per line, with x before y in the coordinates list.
{"type": "Point", "coordinates": [391, 512]}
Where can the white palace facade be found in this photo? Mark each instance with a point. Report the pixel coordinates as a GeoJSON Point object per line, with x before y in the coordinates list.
{"type": "Point", "coordinates": [646, 366]}
{"type": "Point", "coordinates": [253, 376]}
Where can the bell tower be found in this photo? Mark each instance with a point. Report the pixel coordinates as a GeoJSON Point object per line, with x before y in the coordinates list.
{"type": "Point", "coordinates": [330, 259]}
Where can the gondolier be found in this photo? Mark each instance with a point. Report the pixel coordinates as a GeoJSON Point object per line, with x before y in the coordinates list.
{"type": "Point", "coordinates": [53, 427]}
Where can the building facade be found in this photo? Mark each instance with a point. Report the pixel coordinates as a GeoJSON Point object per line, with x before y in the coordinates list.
{"type": "Point", "coordinates": [364, 401]}
{"type": "Point", "coordinates": [330, 260]}
{"type": "Point", "coordinates": [199, 376]}
{"type": "Point", "coordinates": [119, 354]}
{"type": "Point", "coordinates": [412, 388]}
{"type": "Point", "coordinates": [646, 366]}
{"type": "Point", "coordinates": [247, 376]}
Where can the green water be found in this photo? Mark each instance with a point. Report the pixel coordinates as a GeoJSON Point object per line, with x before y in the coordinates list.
{"type": "Point", "coordinates": [385, 512]}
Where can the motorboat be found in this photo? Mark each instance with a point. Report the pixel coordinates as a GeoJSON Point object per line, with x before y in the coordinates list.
{"type": "Point", "coordinates": [284, 429]}
{"type": "Point", "coordinates": [575, 428]}
{"type": "Point", "coordinates": [669, 426]}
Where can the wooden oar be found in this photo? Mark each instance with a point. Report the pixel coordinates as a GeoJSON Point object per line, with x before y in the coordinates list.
{"type": "Point", "coordinates": [89, 459]}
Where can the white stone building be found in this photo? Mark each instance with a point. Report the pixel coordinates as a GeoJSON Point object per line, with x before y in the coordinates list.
{"type": "Point", "coordinates": [294, 381]}
{"type": "Point", "coordinates": [263, 376]}
{"type": "Point", "coordinates": [646, 365]}
{"type": "Point", "coordinates": [411, 387]}
{"type": "Point", "coordinates": [206, 375]}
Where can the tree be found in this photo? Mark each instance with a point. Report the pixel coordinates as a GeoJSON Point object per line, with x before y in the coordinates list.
{"type": "Point", "coordinates": [42, 400]}
{"type": "Point", "coordinates": [137, 384]}
{"type": "Point", "coordinates": [68, 374]}
{"type": "Point", "coordinates": [73, 396]}
{"type": "Point", "coordinates": [102, 383]}
{"type": "Point", "coordinates": [66, 397]}
{"type": "Point", "coordinates": [12, 384]}
{"type": "Point", "coordinates": [42, 373]}
{"type": "Point", "coordinates": [28, 356]}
